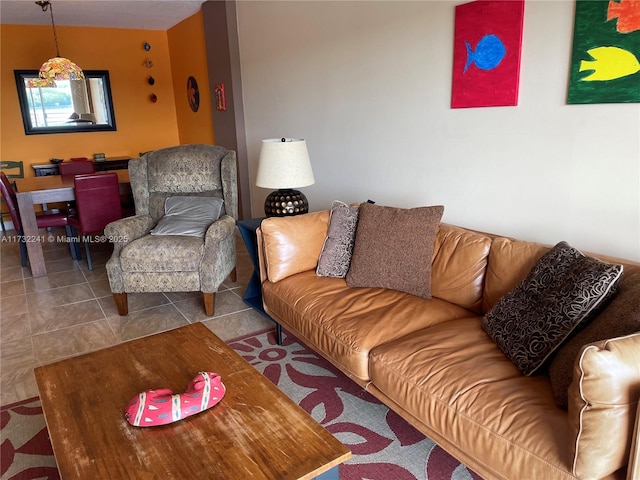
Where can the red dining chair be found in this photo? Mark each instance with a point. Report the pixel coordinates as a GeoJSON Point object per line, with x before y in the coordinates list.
{"type": "Point", "coordinates": [43, 220]}
{"type": "Point", "coordinates": [79, 167]}
{"type": "Point", "coordinates": [98, 204]}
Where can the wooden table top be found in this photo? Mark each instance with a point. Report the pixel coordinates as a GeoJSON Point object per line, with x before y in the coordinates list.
{"type": "Point", "coordinates": [254, 432]}
{"type": "Point", "coordinates": [33, 184]}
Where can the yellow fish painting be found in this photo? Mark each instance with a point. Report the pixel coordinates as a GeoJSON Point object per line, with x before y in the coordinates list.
{"type": "Point", "coordinates": [609, 63]}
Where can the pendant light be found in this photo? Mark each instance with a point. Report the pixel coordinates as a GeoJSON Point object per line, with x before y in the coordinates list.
{"type": "Point", "coordinates": [56, 68]}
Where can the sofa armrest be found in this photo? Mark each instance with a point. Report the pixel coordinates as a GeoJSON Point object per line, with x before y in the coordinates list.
{"type": "Point", "coordinates": [261, 259]}
{"type": "Point", "coordinates": [633, 469]}
{"type": "Point", "coordinates": [126, 230]}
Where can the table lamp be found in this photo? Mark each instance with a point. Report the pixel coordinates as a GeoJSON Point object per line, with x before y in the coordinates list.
{"type": "Point", "coordinates": [284, 164]}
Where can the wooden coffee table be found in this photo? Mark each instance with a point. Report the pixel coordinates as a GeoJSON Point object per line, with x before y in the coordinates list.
{"type": "Point", "coordinates": [254, 432]}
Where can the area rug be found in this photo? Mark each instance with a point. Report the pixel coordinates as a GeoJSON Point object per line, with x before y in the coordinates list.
{"type": "Point", "coordinates": [383, 445]}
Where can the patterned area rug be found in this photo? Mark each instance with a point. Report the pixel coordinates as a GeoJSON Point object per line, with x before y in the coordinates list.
{"type": "Point", "coordinates": [383, 445]}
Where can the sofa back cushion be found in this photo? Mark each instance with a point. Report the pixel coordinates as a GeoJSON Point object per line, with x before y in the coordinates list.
{"type": "Point", "coordinates": [603, 399]}
{"type": "Point", "coordinates": [293, 244]}
{"type": "Point", "coordinates": [459, 265]}
{"type": "Point", "coordinates": [509, 263]}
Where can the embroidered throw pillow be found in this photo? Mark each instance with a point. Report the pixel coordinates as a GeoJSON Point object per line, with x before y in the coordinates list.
{"type": "Point", "coordinates": [335, 256]}
{"type": "Point", "coordinates": [560, 292]}
{"type": "Point", "coordinates": [394, 248]}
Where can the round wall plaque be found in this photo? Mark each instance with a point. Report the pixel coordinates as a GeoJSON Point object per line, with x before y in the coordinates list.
{"type": "Point", "coordinates": [193, 94]}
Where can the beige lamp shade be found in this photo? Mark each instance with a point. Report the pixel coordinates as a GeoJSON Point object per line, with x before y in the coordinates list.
{"type": "Point", "coordinates": [284, 163]}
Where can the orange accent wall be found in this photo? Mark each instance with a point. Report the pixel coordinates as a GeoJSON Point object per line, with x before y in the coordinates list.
{"type": "Point", "coordinates": [141, 124]}
{"type": "Point", "coordinates": [189, 59]}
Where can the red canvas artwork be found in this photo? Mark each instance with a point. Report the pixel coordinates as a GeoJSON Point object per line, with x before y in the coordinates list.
{"type": "Point", "coordinates": [486, 53]}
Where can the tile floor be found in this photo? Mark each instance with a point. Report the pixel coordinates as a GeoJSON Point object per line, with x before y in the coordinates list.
{"type": "Point", "coordinates": [71, 311]}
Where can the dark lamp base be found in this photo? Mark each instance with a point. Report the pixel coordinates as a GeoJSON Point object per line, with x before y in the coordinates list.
{"type": "Point", "coordinates": [285, 203]}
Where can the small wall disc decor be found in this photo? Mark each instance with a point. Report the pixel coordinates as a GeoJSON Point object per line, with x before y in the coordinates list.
{"type": "Point", "coordinates": [193, 94]}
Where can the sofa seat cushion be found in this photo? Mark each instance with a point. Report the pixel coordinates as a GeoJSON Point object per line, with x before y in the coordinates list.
{"type": "Point", "coordinates": [171, 253]}
{"type": "Point", "coordinates": [459, 383]}
{"type": "Point", "coordinates": [345, 323]}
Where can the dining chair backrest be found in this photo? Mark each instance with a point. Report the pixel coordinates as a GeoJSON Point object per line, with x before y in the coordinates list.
{"type": "Point", "coordinates": [97, 200]}
{"type": "Point", "coordinates": [12, 169]}
{"type": "Point", "coordinates": [11, 200]}
{"type": "Point", "coordinates": [76, 168]}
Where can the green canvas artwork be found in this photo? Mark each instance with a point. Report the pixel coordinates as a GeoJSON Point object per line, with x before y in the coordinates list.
{"type": "Point", "coordinates": [605, 63]}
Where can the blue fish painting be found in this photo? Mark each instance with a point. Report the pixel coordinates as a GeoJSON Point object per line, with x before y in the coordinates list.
{"type": "Point", "coordinates": [488, 54]}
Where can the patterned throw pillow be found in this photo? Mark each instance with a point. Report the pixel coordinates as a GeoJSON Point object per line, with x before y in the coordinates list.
{"type": "Point", "coordinates": [620, 318]}
{"type": "Point", "coordinates": [560, 292]}
{"type": "Point", "coordinates": [335, 256]}
{"type": "Point", "coordinates": [394, 248]}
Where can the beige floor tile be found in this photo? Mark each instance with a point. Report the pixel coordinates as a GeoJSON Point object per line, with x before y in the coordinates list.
{"type": "Point", "coordinates": [46, 299]}
{"type": "Point", "coordinates": [61, 265]}
{"type": "Point", "coordinates": [17, 385]}
{"type": "Point", "coordinates": [15, 354]}
{"type": "Point", "coordinates": [54, 280]}
{"type": "Point", "coordinates": [136, 302]}
{"type": "Point", "coordinates": [11, 289]}
{"type": "Point", "coordinates": [65, 316]}
{"type": "Point", "coordinates": [226, 302]}
{"type": "Point", "coordinates": [11, 273]}
{"type": "Point", "coordinates": [238, 324]}
{"type": "Point", "coordinates": [68, 342]}
{"type": "Point", "coordinates": [14, 327]}
{"type": "Point", "coordinates": [14, 305]}
{"type": "Point", "coordinates": [147, 322]}
{"type": "Point", "coordinates": [101, 288]}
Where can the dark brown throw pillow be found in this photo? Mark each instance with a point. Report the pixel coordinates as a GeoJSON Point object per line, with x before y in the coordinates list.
{"type": "Point", "coordinates": [394, 248]}
{"type": "Point", "coordinates": [557, 297]}
{"type": "Point", "coordinates": [620, 318]}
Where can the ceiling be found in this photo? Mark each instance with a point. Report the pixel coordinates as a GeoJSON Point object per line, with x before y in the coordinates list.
{"type": "Point", "coordinates": [136, 14]}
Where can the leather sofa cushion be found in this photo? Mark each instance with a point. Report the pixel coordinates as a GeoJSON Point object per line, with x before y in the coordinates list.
{"type": "Point", "coordinates": [293, 244]}
{"type": "Point", "coordinates": [459, 264]}
{"type": "Point", "coordinates": [603, 399]}
{"type": "Point", "coordinates": [345, 323]}
{"type": "Point", "coordinates": [509, 263]}
{"type": "Point", "coordinates": [452, 377]}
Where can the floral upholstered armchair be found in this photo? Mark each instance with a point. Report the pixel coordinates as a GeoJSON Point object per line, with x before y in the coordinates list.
{"type": "Point", "coordinates": [174, 242]}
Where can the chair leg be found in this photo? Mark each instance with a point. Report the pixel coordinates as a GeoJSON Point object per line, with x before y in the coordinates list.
{"type": "Point", "coordinates": [76, 243]}
{"type": "Point", "coordinates": [23, 251]}
{"type": "Point", "coordinates": [209, 303]}
{"type": "Point", "coordinates": [234, 275]}
{"type": "Point", "coordinates": [70, 241]}
{"type": "Point", "coordinates": [121, 303]}
{"type": "Point", "coordinates": [86, 248]}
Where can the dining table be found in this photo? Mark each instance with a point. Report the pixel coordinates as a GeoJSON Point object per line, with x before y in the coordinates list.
{"type": "Point", "coordinates": [32, 191]}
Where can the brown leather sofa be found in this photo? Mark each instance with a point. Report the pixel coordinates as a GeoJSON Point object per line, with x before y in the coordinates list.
{"type": "Point", "coordinates": [432, 363]}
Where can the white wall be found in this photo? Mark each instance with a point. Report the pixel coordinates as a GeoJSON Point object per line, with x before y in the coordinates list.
{"type": "Point", "coordinates": [368, 85]}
